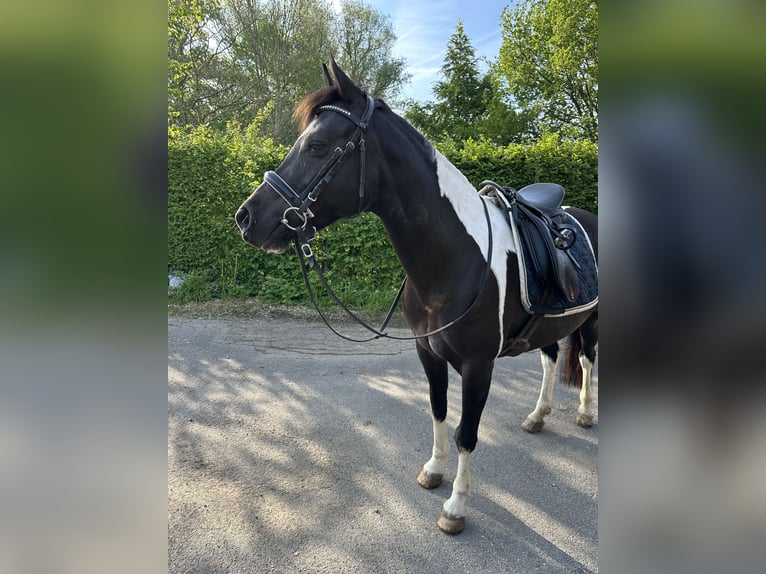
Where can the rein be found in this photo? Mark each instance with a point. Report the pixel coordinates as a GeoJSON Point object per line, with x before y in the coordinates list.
{"type": "Point", "coordinates": [299, 204]}
{"type": "Point", "coordinates": [379, 332]}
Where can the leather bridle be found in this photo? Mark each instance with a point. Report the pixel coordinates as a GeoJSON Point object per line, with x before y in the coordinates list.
{"type": "Point", "coordinates": [299, 204]}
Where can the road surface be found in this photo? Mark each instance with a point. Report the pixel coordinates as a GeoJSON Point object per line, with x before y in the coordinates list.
{"type": "Point", "coordinates": [290, 450]}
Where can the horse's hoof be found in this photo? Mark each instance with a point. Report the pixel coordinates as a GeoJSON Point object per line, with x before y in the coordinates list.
{"type": "Point", "coordinates": [584, 421]}
{"type": "Point", "coordinates": [532, 426]}
{"type": "Point", "coordinates": [429, 480]}
{"type": "Point", "coordinates": [450, 524]}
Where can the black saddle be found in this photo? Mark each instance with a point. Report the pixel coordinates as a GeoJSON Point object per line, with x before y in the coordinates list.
{"type": "Point", "coordinates": [545, 230]}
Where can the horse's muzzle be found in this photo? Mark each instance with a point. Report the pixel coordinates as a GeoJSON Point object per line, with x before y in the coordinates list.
{"type": "Point", "coordinates": [273, 238]}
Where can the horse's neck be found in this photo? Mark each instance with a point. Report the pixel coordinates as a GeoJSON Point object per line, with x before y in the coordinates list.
{"type": "Point", "coordinates": [435, 221]}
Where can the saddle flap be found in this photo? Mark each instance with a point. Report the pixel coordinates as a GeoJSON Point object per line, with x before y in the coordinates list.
{"type": "Point", "coordinates": [551, 262]}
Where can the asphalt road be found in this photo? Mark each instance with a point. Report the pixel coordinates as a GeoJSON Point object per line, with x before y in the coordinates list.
{"type": "Point", "coordinates": [290, 450]}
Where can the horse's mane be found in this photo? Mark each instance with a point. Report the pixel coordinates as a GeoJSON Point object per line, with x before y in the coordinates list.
{"type": "Point", "coordinates": [308, 106]}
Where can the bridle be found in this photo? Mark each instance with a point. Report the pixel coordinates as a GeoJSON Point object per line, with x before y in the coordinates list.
{"type": "Point", "coordinates": [299, 204]}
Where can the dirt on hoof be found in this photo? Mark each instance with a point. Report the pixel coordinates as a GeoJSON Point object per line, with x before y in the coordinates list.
{"type": "Point", "coordinates": [428, 480]}
{"type": "Point", "coordinates": [532, 426]}
{"type": "Point", "coordinates": [584, 421]}
{"type": "Point", "coordinates": [450, 524]}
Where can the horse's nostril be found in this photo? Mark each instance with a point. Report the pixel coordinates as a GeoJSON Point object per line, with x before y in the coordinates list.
{"type": "Point", "coordinates": [243, 218]}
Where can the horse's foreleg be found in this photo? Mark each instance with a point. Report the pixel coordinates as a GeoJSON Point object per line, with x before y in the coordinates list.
{"type": "Point", "coordinates": [476, 381]}
{"type": "Point", "coordinates": [452, 517]}
{"type": "Point", "coordinates": [436, 371]}
{"type": "Point", "coordinates": [432, 473]}
{"type": "Point", "coordinates": [534, 421]}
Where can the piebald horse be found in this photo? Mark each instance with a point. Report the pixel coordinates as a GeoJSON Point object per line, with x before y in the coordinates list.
{"type": "Point", "coordinates": [354, 154]}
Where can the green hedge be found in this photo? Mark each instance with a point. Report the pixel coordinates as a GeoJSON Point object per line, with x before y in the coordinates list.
{"type": "Point", "coordinates": [211, 173]}
{"type": "Point", "coordinates": [574, 165]}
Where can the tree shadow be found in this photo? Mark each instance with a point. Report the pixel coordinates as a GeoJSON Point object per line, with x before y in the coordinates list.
{"type": "Point", "coordinates": [292, 461]}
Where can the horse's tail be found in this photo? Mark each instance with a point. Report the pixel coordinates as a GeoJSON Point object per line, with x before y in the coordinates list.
{"type": "Point", "coordinates": [572, 373]}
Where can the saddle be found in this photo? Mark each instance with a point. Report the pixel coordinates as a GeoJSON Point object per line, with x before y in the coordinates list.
{"type": "Point", "coordinates": [544, 229]}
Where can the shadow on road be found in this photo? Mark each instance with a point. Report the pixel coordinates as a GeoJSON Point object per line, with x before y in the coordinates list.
{"type": "Point", "coordinates": [298, 453]}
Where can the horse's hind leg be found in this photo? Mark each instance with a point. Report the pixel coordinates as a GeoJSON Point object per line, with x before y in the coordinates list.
{"type": "Point", "coordinates": [476, 380]}
{"type": "Point", "coordinates": [589, 337]}
{"type": "Point", "coordinates": [436, 371]}
{"type": "Point", "coordinates": [534, 421]}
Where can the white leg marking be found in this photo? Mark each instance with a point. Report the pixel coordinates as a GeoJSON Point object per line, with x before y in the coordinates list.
{"type": "Point", "coordinates": [545, 400]}
{"type": "Point", "coordinates": [438, 461]}
{"type": "Point", "coordinates": [586, 396]}
{"type": "Point", "coordinates": [455, 504]}
{"type": "Point", "coordinates": [467, 205]}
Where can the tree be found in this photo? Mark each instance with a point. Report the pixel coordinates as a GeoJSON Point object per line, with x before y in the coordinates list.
{"type": "Point", "coordinates": [549, 57]}
{"type": "Point", "coordinates": [365, 39]}
{"type": "Point", "coordinates": [244, 60]}
{"type": "Point", "coordinates": [468, 104]}
{"type": "Point", "coordinates": [274, 53]}
{"type": "Point", "coordinates": [461, 97]}
{"type": "Point", "coordinates": [191, 64]}
{"type": "Point", "coordinates": [502, 122]}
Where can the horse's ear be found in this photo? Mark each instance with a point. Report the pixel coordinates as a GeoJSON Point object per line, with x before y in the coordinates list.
{"type": "Point", "coordinates": [347, 89]}
{"type": "Point", "coordinates": [327, 78]}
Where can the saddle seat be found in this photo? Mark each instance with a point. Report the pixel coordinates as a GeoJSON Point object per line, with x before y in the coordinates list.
{"type": "Point", "coordinates": [546, 197]}
{"type": "Point", "coordinates": [544, 228]}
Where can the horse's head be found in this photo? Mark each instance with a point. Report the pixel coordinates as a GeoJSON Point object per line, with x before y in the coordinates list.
{"type": "Point", "coordinates": [322, 179]}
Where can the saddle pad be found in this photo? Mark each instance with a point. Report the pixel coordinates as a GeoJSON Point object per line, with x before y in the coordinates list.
{"type": "Point", "coordinates": [533, 286]}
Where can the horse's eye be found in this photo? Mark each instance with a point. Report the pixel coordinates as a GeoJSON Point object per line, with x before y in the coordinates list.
{"type": "Point", "coordinates": [316, 146]}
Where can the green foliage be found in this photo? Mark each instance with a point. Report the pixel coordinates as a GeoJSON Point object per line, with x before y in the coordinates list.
{"type": "Point", "coordinates": [274, 50]}
{"type": "Point", "coordinates": [235, 59]}
{"type": "Point", "coordinates": [210, 173]}
{"type": "Point", "coordinates": [572, 164]}
{"type": "Point", "coordinates": [463, 94]}
{"type": "Point", "coordinates": [192, 68]}
{"type": "Point", "coordinates": [502, 123]}
{"type": "Point", "coordinates": [194, 289]}
{"type": "Point", "coordinates": [365, 39]}
{"type": "Point", "coordinates": [468, 104]}
{"type": "Point", "coordinates": [549, 57]}
{"type": "Point", "coordinates": [360, 262]}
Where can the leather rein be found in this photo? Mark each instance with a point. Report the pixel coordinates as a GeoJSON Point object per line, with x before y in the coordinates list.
{"type": "Point", "coordinates": [299, 205]}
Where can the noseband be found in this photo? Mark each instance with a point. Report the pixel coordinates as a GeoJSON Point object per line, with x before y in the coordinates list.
{"type": "Point", "coordinates": [299, 204]}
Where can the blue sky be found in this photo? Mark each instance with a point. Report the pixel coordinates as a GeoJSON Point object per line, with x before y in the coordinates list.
{"type": "Point", "coordinates": [423, 28]}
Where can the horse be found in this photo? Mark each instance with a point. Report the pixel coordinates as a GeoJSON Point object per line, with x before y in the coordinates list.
{"type": "Point", "coordinates": [440, 228]}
